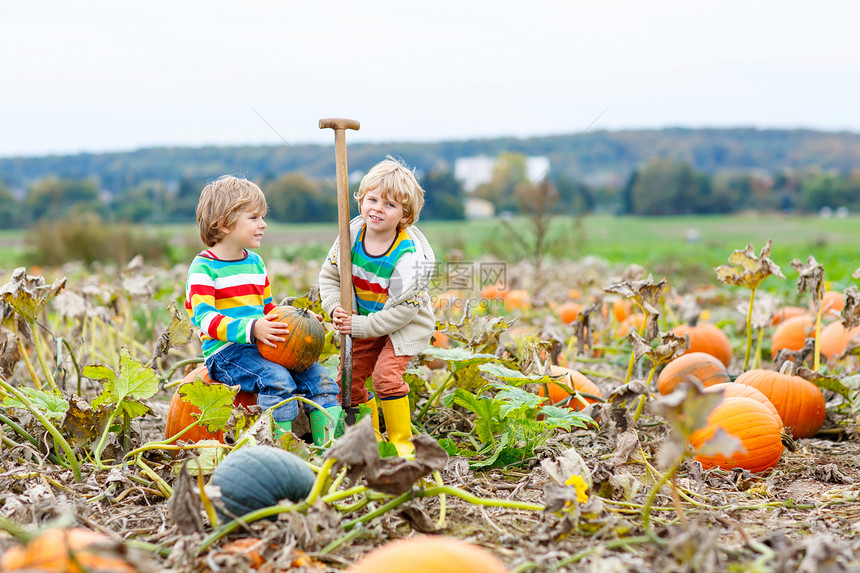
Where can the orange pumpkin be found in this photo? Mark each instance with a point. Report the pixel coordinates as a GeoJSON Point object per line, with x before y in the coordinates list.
{"type": "Point", "coordinates": [440, 340]}
{"type": "Point", "coordinates": [517, 299]}
{"type": "Point", "coordinates": [558, 396]}
{"type": "Point", "coordinates": [568, 311]}
{"type": "Point", "coordinates": [832, 303]}
{"type": "Point", "coordinates": [493, 292]}
{"type": "Point", "coordinates": [834, 339]}
{"type": "Point", "coordinates": [800, 403]}
{"type": "Point", "coordinates": [792, 333]}
{"type": "Point", "coordinates": [74, 550]}
{"type": "Point", "coordinates": [753, 424]}
{"type": "Point", "coordinates": [429, 554]}
{"type": "Point", "coordinates": [787, 312]}
{"type": "Point", "coordinates": [630, 324]}
{"type": "Point", "coordinates": [303, 345]}
{"type": "Point", "coordinates": [709, 339]}
{"type": "Point", "coordinates": [735, 390]}
{"type": "Point", "coordinates": [622, 308]}
{"type": "Point", "coordinates": [703, 367]}
{"type": "Point", "coordinates": [181, 414]}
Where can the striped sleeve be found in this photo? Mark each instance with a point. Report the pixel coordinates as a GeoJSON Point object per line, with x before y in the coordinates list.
{"type": "Point", "coordinates": [223, 298]}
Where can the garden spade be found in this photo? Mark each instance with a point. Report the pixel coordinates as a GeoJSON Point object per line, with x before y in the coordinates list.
{"type": "Point", "coordinates": [344, 257]}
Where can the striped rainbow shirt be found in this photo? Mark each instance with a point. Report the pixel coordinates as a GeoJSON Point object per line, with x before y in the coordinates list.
{"type": "Point", "coordinates": [371, 275]}
{"type": "Point", "coordinates": [224, 298]}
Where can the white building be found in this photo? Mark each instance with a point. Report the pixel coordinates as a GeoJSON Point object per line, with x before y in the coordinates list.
{"type": "Point", "coordinates": [475, 171]}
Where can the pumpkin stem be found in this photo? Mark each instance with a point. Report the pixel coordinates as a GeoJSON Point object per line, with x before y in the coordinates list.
{"type": "Point", "coordinates": [787, 368]}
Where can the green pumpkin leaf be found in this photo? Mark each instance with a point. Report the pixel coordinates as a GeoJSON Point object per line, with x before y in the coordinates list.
{"type": "Point", "coordinates": [556, 417]}
{"type": "Point", "coordinates": [133, 382]}
{"type": "Point", "coordinates": [49, 403]}
{"type": "Point", "coordinates": [215, 402]}
{"type": "Point", "coordinates": [488, 422]}
{"type": "Point", "coordinates": [512, 376]}
{"type": "Point", "coordinates": [515, 400]}
{"type": "Point", "coordinates": [460, 356]}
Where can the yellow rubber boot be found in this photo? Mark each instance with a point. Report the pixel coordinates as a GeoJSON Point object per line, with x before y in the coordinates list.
{"type": "Point", "coordinates": [398, 424]}
{"type": "Point", "coordinates": [374, 415]}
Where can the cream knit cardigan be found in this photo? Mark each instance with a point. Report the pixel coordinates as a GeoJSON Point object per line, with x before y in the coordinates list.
{"type": "Point", "coordinates": [407, 317]}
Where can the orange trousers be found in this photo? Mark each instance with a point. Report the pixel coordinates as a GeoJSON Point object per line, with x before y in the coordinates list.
{"type": "Point", "coordinates": [375, 357]}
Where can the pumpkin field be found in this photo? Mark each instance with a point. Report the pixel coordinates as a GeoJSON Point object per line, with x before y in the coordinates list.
{"type": "Point", "coordinates": [588, 413]}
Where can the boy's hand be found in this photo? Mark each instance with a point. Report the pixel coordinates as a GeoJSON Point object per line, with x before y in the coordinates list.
{"type": "Point", "coordinates": [342, 321]}
{"type": "Point", "coordinates": [269, 332]}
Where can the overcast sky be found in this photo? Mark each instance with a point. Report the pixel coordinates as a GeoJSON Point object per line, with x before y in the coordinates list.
{"type": "Point", "coordinates": [105, 75]}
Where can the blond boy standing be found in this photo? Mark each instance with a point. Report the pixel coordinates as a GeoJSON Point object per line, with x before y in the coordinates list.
{"type": "Point", "coordinates": [392, 263]}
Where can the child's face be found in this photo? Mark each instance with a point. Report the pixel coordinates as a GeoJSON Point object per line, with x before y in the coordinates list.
{"type": "Point", "coordinates": [381, 214]}
{"type": "Point", "coordinates": [247, 233]}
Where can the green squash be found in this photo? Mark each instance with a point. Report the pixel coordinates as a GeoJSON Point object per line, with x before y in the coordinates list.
{"type": "Point", "coordinates": [254, 477]}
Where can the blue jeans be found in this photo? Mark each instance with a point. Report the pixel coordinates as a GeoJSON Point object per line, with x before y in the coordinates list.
{"type": "Point", "coordinates": [242, 365]}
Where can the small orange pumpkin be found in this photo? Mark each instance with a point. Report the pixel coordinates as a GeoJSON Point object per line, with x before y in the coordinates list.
{"type": "Point", "coordinates": [707, 338]}
{"type": "Point", "coordinates": [303, 345]}
{"type": "Point", "coordinates": [429, 554]}
{"type": "Point", "coordinates": [622, 308]}
{"type": "Point", "coordinates": [517, 299]}
{"type": "Point", "coordinates": [832, 303]}
{"type": "Point", "coordinates": [180, 414]}
{"type": "Point", "coordinates": [750, 422]}
{"type": "Point", "coordinates": [558, 396]}
{"type": "Point", "coordinates": [493, 292]}
{"type": "Point", "coordinates": [834, 339]}
{"type": "Point", "coordinates": [568, 311]}
{"type": "Point", "coordinates": [735, 390]}
{"type": "Point", "coordinates": [800, 403]}
{"type": "Point", "coordinates": [74, 550]}
{"type": "Point", "coordinates": [792, 333]}
{"type": "Point", "coordinates": [787, 312]}
{"type": "Point", "coordinates": [440, 340]}
{"type": "Point", "coordinates": [704, 367]}
{"type": "Point", "coordinates": [630, 324]}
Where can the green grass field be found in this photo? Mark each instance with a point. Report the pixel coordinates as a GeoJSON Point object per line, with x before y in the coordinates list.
{"type": "Point", "coordinates": [659, 244]}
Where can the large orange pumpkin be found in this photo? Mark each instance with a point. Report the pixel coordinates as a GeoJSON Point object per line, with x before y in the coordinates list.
{"type": "Point", "coordinates": [792, 333]}
{"type": "Point", "coordinates": [430, 554]}
{"type": "Point", "coordinates": [834, 339]}
{"type": "Point", "coordinates": [750, 422]}
{"type": "Point", "coordinates": [704, 367]}
{"type": "Point", "coordinates": [735, 390]}
{"type": "Point", "coordinates": [558, 396]}
{"type": "Point", "coordinates": [800, 403]}
{"type": "Point", "coordinates": [180, 414]}
{"type": "Point", "coordinates": [303, 345]}
{"type": "Point", "coordinates": [74, 550]}
{"type": "Point", "coordinates": [707, 338]}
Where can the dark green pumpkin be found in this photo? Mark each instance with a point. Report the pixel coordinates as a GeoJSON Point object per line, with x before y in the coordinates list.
{"type": "Point", "coordinates": [254, 477]}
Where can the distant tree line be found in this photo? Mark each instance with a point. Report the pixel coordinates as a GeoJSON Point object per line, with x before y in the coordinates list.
{"type": "Point", "coordinates": [659, 187]}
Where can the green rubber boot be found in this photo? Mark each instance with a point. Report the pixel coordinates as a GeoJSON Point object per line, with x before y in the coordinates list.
{"type": "Point", "coordinates": [322, 428]}
{"type": "Point", "coordinates": [280, 429]}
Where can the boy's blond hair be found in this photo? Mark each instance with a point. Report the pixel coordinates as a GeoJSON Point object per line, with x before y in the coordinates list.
{"type": "Point", "coordinates": [396, 181]}
{"type": "Point", "coordinates": [222, 201]}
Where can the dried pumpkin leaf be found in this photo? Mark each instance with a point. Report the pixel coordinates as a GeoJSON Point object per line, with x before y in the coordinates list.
{"type": "Point", "coordinates": [28, 294]}
{"type": "Point", "coordinates": [850, 316]}
{"type": "Point", "coordinates": [811, 279]}
{"type": "Point", "coordinates": [746, 269]}
{"type": "Point", "coordinates": [671, 345]}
